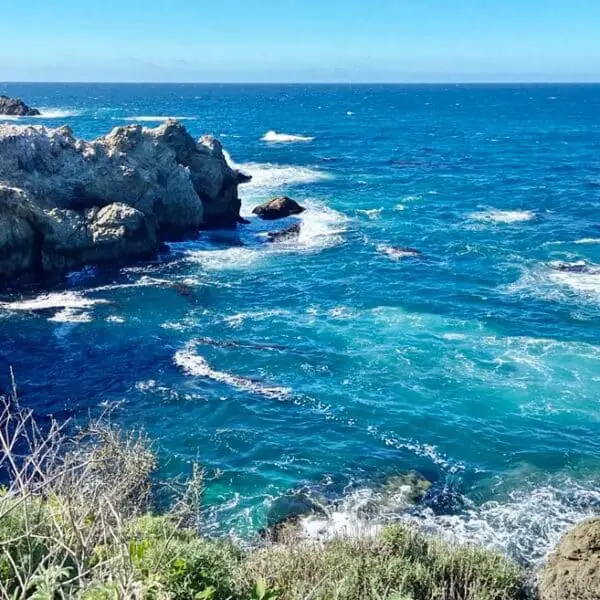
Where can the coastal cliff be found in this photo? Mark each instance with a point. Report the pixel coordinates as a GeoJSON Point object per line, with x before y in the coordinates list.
{"type": "Point", "coordinates": [66, 202]}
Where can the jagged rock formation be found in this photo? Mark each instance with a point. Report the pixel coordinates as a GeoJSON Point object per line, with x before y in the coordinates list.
{"type": "Point", "coordinates": [278, 208]}
{"type": "Point", "coordinates": [66, 202]}
{"type": "Point", "coordinates": [573, 570]}
{"type": "Point", "coordinates": [16, 107]}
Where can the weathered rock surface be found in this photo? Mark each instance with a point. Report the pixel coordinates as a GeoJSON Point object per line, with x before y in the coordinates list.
{"type": "Point", "coordinates": [573, 570]}
{"type": "Point", "coordinates": [66, 202]}
{"type": "Point", "coordinates": [291, 232]}
{"type": "Point", "coordinates": [16, 107]}
{"type": "Point", "coordinates": [278, 208]}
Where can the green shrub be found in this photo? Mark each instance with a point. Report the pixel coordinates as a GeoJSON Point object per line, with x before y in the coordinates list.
{"type": "Point", "coordinates": [400, 564]}
{"type": "Point", "coordinates": [185, 565]}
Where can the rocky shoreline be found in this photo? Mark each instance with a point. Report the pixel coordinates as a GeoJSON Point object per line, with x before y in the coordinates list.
{"type": "Point", "coordinates": [66, 202]}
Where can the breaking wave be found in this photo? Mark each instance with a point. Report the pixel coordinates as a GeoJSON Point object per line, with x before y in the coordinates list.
{"type": "Point", "coordinates": [545, 282]}
{"type": "Point", "coordinates": [153, 118]}
{"type": "Point", "coordinates": [502, 216]}
{"type": "Point", "coordinates": [63, 300]}
{"type": "Point", "coordinates": [194, 364]}
{"type": "Point", "coordinates": [268, 176]}
{"type": "Point", "coordinates": [284, 138]}
{"type": "Point", "coordinates": [526, 524]}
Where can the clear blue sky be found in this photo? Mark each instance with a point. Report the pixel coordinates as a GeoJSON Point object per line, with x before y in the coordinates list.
{"type": "Point", "coordinates": [300, 40]}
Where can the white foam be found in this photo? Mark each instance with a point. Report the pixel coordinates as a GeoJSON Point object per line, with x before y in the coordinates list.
{"type": "Point", "coordinates": [542, 281]}
{"type": "Point", "coordinates": [196, 365]}
{"type": "Point", "coordinates": [397, 253]}
{"type": "Point", "coordinates": [586, 283]}
{"type": "Point", "coordinates": [239, 318]}
{"type": "Point", "coordinates": [269, 176]}
{"type": "Point", "coordinates": [526, 525]}
{"type": "Point", "coordinates": [371, 213]}
{"type": "Point", "coordinates": [236, 258]}
{"type": "Point", "coordinates": [320, 227]}
{"type": "Point", "coordinates": [502, 216]}
{"type": "Point", "coordinates": [115, 319]}
{"type": "Point", "coordinates": [71, 315]}
{"type": "Point", "coordinates": [57, 113]}
{"type": "Point", "coordinates": [285, 138]}
{"type": "Point", "coordinates": [70, 300]}
{"type": "Point", "coordinates": [153, 118]}
{"type": "Point", "coordinates": [588, 241]}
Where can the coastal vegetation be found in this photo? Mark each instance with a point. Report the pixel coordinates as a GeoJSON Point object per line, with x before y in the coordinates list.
{"type": "Point", "coordinates": [78, 520]}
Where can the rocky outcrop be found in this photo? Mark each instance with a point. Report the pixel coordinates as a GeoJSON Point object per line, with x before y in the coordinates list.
{"type": "Point", "coordinates": [15, 107]}
{"type": "Point", "coordinates": [66, 202]}
{"type": "Point", "coordinates": [291, 232]}
{"type": "Point", "coordinates": [573, 570]}
{"type": "Point", "coordinates": [278, 208]}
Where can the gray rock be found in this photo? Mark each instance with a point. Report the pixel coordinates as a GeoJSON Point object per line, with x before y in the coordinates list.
{"type": "Point", "coordinates": [278, 208]}
{"type": "Point", "coordinates": [16, 107]}
{"type": "Point", "coordinates": [291, 232]}
{"type": "Point", "coordinates": [66, 202]}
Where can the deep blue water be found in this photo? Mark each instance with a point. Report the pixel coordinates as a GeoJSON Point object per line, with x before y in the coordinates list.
{"type": "Point", "coordinates": [326, 363]}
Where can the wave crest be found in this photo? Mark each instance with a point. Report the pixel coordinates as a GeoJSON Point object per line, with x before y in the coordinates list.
{"type": "Point", "coordinates": [284, 138]}
{"type": "Point", "coordinates": [502, 216]}
{"type": "Point", "coordinates": [196, 365]}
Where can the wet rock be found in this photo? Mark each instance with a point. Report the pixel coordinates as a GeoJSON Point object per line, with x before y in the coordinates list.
{"type": "Point", "coordinates": [399, 252]}
{"type": "Point", "coordinates": [16, 107]}
{"type": "Point", "coordinates": [579, 266]}
{"type": "Point", "coordinates": [412, 486]}
{"type": "Point", "coordinates": [573, 570]}
{"type": "Point", "coordinates": [66, 202]}
{"type": "Point", "coordinates": [291, 232]}
{"type": "Point", "coordinates": [285, 515]}
{"type": "Point", "coordinates": [183, 289]}
{"type": "Point", "coordinates": [278, 208]}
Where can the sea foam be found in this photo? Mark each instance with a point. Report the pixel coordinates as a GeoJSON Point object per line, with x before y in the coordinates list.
{"type": "Point", "coordinates": [503, 216]}
{"type": "Point", "coordinates": [269, 176]}
{"type": "Point", "coordinates": [284, 138]}
{"type": "Point", "coordinates": [66, 300]}
{"type": "Point", "coordinates": [526, 525]}
{"type": "Point", "coordinates": [154, 118]}
{"type": "Point", "coordinates": [196, 365]}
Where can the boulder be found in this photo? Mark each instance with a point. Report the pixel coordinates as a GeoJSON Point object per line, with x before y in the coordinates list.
{"type": "Point", "coordinates": [573, 570]}
{"type": "Point", "coordinates": [291, 232]}
{"type": "Point", "coordinates": [278, 208]}
{"type": "Point", "coordinates": [16, 107]}
{"type": "Point", "coordinates": [109, 200]}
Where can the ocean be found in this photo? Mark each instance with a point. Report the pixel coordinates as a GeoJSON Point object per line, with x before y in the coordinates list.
{"type": "Point", "coordinates": [324, 366]}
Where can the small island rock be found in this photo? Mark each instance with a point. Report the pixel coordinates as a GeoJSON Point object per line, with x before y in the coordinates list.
{"type": "Point", "coordinates": [15, 107]}
{"type": "Point", "coordinates": [278, 208]}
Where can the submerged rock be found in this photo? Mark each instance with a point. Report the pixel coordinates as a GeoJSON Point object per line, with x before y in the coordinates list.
{"type": "Point", "coordinates": [573, 570]}
{"type": "Point", "coordinates": [579, 266]}
{"type": "Point", "coordinates": [293, 231]}
{"type": "Point", "coordinates": [66, 202]}
{"type": "Point", "coordinates": [285, 516]}
{"type": "Point", "coordinates": [412, 486]}
{"type": "Point", "coordinates": [278, 208]}
{"type": "Point", "coordinates": [16, 107]}
{"type": "Point", "coordinates": [399, 252]}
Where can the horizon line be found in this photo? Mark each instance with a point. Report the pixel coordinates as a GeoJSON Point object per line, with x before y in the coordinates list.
{"type": "Point", "coordinates": [407, 83]}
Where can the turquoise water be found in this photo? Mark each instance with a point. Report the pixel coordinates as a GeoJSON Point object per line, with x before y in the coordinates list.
{"type": "Point", "coordinates": [328, 364]}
